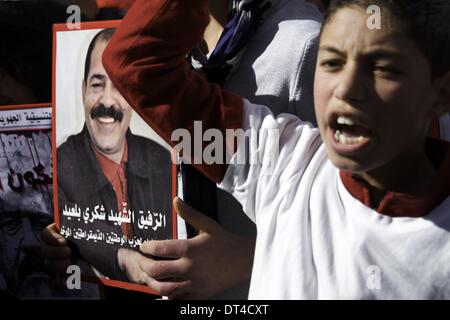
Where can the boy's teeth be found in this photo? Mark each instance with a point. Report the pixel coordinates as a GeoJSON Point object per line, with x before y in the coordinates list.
{"type": "Point", "coordinates": [344, 139]}
{"type": "Point", "coordinates": [345, 120]}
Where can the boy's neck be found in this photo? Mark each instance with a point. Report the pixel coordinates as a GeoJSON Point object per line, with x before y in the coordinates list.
{"type": "Point", "coordinates": [407, 174]}
{"type": "Point", "coordinates": [219, 15]}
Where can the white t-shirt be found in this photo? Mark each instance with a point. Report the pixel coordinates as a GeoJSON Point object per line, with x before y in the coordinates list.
{"type": "Point", "coordinates": [315, 240]}
{"type": "Point", "coordinates": [275, 73]}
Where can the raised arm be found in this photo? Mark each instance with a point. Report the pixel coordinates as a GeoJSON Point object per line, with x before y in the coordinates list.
{"type": "Point", "coordinates": [146, 60]}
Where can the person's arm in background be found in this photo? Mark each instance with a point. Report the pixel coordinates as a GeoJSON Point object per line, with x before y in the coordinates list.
{"type": "Point", "coordinates": [121, 4]}
{"type": "Point", "coordinates": [303, 82]}
{"type": "Point", "coordinates": [100, 9]}
{"type": "Point", "coordinates": [146, 60]}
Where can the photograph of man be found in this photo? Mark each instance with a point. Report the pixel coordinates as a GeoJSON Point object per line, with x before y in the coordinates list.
{"type": "Point", "coordinates": [108, 170]}
{"type": "Point", "coordinates": [19, 248]}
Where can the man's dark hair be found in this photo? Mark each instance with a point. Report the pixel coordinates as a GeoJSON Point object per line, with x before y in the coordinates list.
{"type": "Point", "coordinates": [105, 35]}
{"type": "Point", "coordinates": [426, 22]}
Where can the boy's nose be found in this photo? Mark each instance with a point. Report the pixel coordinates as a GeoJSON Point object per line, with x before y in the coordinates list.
{"type": "Point", "coordinates": [351, 86]}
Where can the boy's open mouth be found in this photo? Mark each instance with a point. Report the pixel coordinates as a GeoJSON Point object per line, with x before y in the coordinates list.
{"type": "Point", "coordinates": [348, 133]}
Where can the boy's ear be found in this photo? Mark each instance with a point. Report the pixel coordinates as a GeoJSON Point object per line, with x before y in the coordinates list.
{"type": "Point", "coordinates": [442, 104]}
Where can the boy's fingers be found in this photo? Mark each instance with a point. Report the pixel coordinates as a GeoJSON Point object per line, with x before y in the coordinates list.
{"type": "Point", "coordinates": [167, 288]}
{"type": "Point", "coordinates": [165, 248]}
{"type": "Point", "coordinates": [161, 269]}
{"type": "Point", "coordinates": [195, 218]}
{"type": "Point", "coordinates": [51, 236]}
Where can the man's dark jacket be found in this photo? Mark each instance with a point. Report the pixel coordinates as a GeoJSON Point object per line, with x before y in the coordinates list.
{"type": "Point", "coordinates": [82, 182]}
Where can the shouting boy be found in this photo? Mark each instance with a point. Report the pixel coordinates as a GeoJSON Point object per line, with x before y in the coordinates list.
{"type": "Point", "coordinates": [358, 208]}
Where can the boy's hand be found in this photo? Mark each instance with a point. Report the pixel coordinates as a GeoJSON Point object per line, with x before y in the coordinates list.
{"type": "Point", "coordinates": [200, 267]}
{"type": "Point", "coordinates": [129, 262]}
{"type": "Point", "coordinates": [56, 252]}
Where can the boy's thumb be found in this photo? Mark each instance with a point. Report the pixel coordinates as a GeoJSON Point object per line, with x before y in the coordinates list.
{"type": "Point", "coordinates": [198, 220]}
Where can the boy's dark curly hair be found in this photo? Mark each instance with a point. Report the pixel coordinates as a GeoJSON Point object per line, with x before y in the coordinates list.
{"type": "Point", "coordinates": [427, 22]}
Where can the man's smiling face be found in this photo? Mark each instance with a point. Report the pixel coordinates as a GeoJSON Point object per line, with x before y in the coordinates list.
{"type": "Point", "coordinates": [107, 113]}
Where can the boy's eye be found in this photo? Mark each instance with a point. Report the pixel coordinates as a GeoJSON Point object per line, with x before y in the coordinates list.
{"type": "Point", "coordinates": [385, 70]}
{"type": "Point", "coordinates": [331, 65]}
{"type": "Point", "coordinates": [96, 85]}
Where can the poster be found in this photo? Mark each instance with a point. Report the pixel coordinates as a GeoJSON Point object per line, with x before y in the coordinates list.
{"type": "Point", "coordinates": [25, 158]}
{"type": "Point", "coordinates": [26, 204]}
{"type": "Point", "coordinates": [25, 195]}
{"type": "Point", "coordinates": [114, 179]}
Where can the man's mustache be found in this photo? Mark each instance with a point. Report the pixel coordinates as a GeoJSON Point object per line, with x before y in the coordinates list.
{"type": "Point", "coordinates": [102, 111]}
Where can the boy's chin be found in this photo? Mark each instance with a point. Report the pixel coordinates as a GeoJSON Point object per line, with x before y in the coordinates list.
{"type": "Point", "coordinates": [348, 164]}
